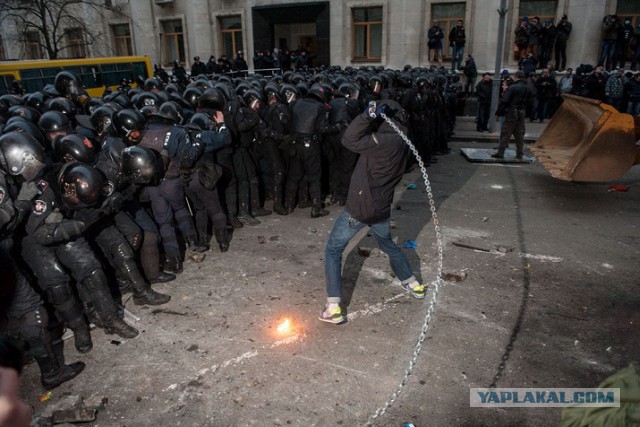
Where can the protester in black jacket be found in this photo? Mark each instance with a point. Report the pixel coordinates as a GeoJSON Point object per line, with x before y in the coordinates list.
{"type": "Point", "coordinates": [382, 162]}
{"type": "Point", "coordinates": [484, 91]}
{"type": "Point", "coordinates": [513, 105]}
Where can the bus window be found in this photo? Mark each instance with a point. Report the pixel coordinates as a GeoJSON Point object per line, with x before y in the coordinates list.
{"type": "Point", "coordinates": [34, 80]}
{"type": "Point", "coordinates": [5, 81]}
{"type": "Point", "coordinates": [88, 74]}
{"type": "Point", "coordinates": [140, 69]}
{"type": "Point", "coordinates": [110, 75]}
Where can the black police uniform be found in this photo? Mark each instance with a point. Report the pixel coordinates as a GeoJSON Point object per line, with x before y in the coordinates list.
{"type": "Point", "coordinates": [278, 118]}
{"type": "Point", "coordinates": [342, 161]}
{"type": "Point", "coordinates": [202, 190]}
{"type": "Point", "coordinates": [168, 198]}
{"type": "Point", "coordinates": [54, 244]}
{"type": "Point", "coordinates": [310, 121]}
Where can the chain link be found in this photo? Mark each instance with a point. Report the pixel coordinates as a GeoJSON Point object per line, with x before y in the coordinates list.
{"type": "Point", "coordinates": [436, 284]}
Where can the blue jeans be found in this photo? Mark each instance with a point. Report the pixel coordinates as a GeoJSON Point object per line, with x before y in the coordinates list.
{"type": "Point", "coordinates": [343, 231]}
{"type": "Point", "coordinates": [456, 57]}
{"type": "Point", "coordinates": [607, 54]}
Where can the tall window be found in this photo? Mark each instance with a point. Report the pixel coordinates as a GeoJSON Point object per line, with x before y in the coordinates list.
{"type": "Point", "coordinates": [33, 48]}
{"type": "Point", "coordinates": [76, 47]}
{"type": "Point", "coordinates": [367, 34]}
{"type": "Point", "coordinates": [543, 9]}
{"type": "Point", "coordinates": [3, 55]}
{"type": "Point", "coordinates": [122, 39]}
{"type": "Point", "coordinates": [447, 15]}
{"type": "Point", "coordinates": [231, 32]}
{"type": "Point", "coordinates": [173, 41]}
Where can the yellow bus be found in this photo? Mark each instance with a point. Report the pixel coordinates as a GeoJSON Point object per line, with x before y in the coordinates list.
{"type": "Point", "coordinates": [96, 73]}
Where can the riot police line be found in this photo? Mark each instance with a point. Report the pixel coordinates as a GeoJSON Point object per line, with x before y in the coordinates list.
{"type": "Point", "coordinates": [92, 189]}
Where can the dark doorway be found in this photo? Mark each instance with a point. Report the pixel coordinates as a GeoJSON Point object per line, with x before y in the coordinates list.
{"type": "Point", "coordinates": [297, 25]}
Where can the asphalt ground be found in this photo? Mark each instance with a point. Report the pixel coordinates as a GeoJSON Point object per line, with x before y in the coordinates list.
{"type": "Point", "coordinates": [550, 299]}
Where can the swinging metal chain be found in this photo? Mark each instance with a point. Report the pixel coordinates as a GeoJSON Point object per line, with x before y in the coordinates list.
{"type": "Point", "coordinates": [436, 284]}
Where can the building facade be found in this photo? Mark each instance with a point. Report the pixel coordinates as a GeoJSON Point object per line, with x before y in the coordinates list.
{"type": "Point", "coordinates": [389, 33]}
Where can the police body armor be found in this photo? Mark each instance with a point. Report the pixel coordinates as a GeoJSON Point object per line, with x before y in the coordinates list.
{"type": "Point", "coordinates": [339, 112]}
{"type": "Point", "coordinates": [304, 115]}
{"type": "Point", "coordinates": [157, 139]}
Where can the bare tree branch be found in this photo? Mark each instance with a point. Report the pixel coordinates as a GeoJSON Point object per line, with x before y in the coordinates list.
{"type": "Point", "coordinates": [52, 19]}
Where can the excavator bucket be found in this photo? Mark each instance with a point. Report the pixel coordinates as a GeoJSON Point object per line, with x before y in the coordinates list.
{"type": "Point", "coordinates": [588, 140]}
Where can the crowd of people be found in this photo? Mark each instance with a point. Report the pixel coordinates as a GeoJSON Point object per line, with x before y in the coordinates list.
{"type": "Point", "coordinates": [105, 196]}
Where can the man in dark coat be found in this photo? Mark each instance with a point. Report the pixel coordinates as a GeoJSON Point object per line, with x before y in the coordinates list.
{"type": "Point", "coordinates": [513, 105]}
{"type": "Point", "coordinates": [382, 162]}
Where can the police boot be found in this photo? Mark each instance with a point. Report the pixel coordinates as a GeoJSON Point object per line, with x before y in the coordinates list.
{"type": "Point", "coordinates": [53, 370]}
{"type": "Point", "coordinates": [150, 260]}
{"type": "Point", "coordinates": [127, 267]}
{"type": "Point", "coordinates": [278, 207]}
{"type": "Point", "coordinates": [202, 222]}
{"type": "Point", "coordinates": [256, 210]}
{"type": "Point", "coordinates": [317, 211]}
{"type": "Point", "coordinates": [96, 284]}
{"type": "Point", "coordinates": [245, 217]}
{"type": "Point", "coordinates": [222, 237]}
{"type": "Point", "coordinates": [81, 334]}
{"type": "Point", "coordinates": [194, 252]}
{"type": "Point", "coordinates": [173, 263]}
{"type": "Point", "coordinates": [70, 313]}
{"type": "Point", "coordinates": [52, 374]}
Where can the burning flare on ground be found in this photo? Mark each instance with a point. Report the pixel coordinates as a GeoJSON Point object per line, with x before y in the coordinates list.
{"type": "Point", "coordinates": [285, 327]}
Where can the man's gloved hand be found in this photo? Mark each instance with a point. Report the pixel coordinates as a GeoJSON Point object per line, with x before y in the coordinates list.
{"type": "Point", "coordinates": [28, 191]}
{"type": "Point", "coordinates": [375, 110]}
{"type": "Point", "coordinates": [54, 217]}
{"type": "Point", "coordinates": [88, 216]}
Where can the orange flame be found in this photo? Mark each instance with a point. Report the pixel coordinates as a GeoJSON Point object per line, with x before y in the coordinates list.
{"type": "Point", "coordinates": [285, 327]}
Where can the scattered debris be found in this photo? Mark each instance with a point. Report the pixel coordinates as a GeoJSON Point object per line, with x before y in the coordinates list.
{"type": "Point", "coordinates": [45, 396]}
{"type": "Point", "coordinates": [618, 187]}
{"type": "Point", "coordinates": [454, 276]}
{"type": "Point", "coordinates": [411, 186]}
{"type": "Point", "coordinates": [608, 350]}
{"type": "Point", "coordinates": [165, 311]}
{"type": "Point", "coordinates": [115, 342]}
{"type": "Point", "coordinates": [274, 238]}
{"type": "Point", "coordinates": [364, 251]}
{"type": "Point", "coordinates": [78, 415]}
{"type": "Point", "coordinates": [466, 246]}
{"type": "Point", "coordinates": [392, 224]}
{"type": "Point", "coordinates": [192, 347]}
{"type": "Point", "coordinates": [196, 257]}
{"type": "Point", "coordinates": [484, 219]}
{"type": "Point", "coordinates": [261, 240]}
{"type": "Point", "coordinates": [504, 249]}
{"type": "Point", "coordinates": [410, 244]}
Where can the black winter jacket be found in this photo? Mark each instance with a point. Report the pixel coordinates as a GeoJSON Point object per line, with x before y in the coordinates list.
{"type": "Point", "coordinates": [382, 161]}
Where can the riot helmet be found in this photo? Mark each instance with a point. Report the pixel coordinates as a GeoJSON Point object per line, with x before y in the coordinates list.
{"type": "Point", "coordinates": [128, 125]}
{"type": "Point", "coordinates": [21, 155]}
{"type": "Point", "coordinates": [74, 148]}
{"type": "Point", "coordinates": [203, 121]}
{"type": "Point", "coordinates": [213, 99]}
{"type": "Point", "coordinates": [82, 186]}
{"type": "Point", "coordinates": [101, 118]}
{"type": "Point", "coordinates": [318, 92]}
{"type": "Point", "coordinates": [289, 93]}
{"type": "Point", "coordinates": [54, 123]}
{"type": "Point", "coordinates": [142, 165]}
{"type": "Point", "coordinates": [69, 84]}
{"type": "Point", "coordinates": [170, 112]}
{"type": "Point", "coordinates": [252, 99]}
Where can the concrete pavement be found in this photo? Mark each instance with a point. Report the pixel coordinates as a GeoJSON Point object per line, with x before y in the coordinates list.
{"type": "Point", "coordinates": [550, 299]}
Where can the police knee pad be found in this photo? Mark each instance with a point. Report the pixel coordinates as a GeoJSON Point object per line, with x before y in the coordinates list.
{"type": "Point", "coordinates": [124, 251]}
{"type": "Point", "coordinates": [59, 294]}
{"type": "Point", "coordinates": [136, 241]}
